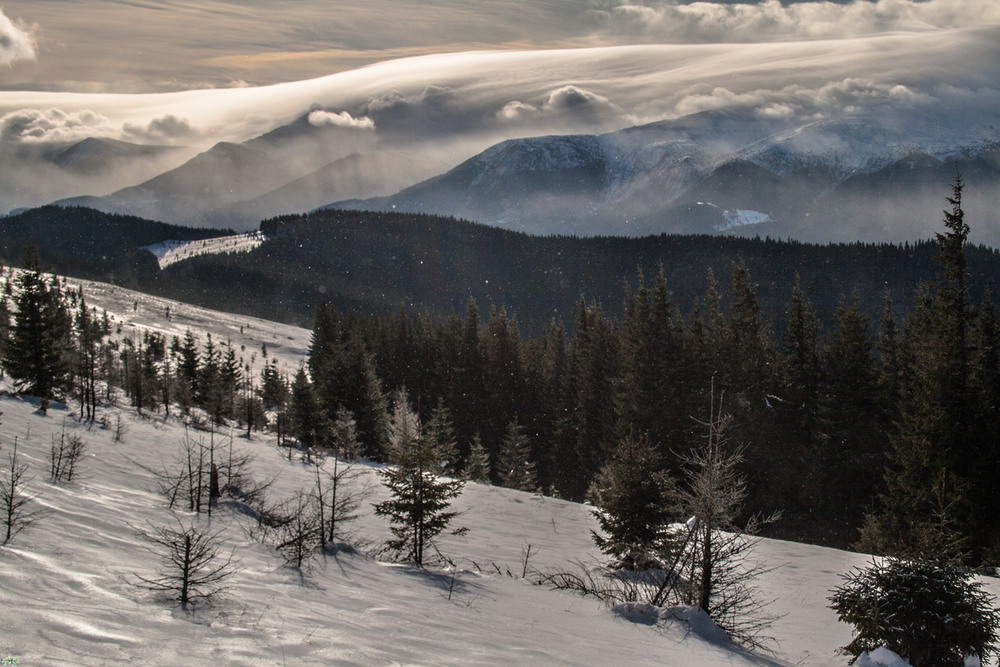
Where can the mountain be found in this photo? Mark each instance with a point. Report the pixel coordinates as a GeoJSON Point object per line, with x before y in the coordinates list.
{"type": "Point", "coordinates": [838, 180]}
{"type": "Point", "coordinates": [106, 155]}
{"type": "Point", "coordinates": [717, 172]}
{"type": "Point", "coordinates": [93, 165]}
{"type": "Point", "coordinates": [90, 244]}
{"type": "Point", "coordinates": [293, 168]}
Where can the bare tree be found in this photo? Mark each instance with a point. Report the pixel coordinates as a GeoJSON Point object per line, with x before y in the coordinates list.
{"type": "Point", "coordinates": [202, 473]}
{"type": "Point", "coordinates": [192, 566]}
{"type": "Point", "coordinates": [64, 455]}
{"type": "Point", "coordinates": [339, 495]}
{"type": "Point", "coordinates": [15, 515]}
{"type": "Point", "coordinates": [297, 534]}
{"type": "Point", "coordinates": [705, 562]}
{"type": "Point", "coordinates": [713, 568]}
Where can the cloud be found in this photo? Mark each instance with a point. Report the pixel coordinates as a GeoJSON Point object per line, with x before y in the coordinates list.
{"type": "Point", "coordinates": [850, 95]}
{"type": "Point", "coordinates": [515, 111]}
{"type": "Point", "coordinates": [167, 128]}
{"type": "Point", "coordinates": [677, 21]}
{"type": "Point", "coordinates": [53, 125]}
{"type": "Point", "coordinates": [567, 106]}
{"type": "Point", "coordinates": [321, 118]}
{"type": "Point", "coordinates": [16, 41]}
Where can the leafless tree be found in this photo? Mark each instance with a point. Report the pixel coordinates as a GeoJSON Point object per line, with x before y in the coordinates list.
{"type": "Point", "coordinates": [193, 567]}
{"type": "Point", "coordinates": [714, 568]}
{"type": "Point", "coordinates": [64, 455]}
{"type": "Point", "coordinates": [203, 472]}
{"type": "Point", "coordinates": [340, 492]}
{"type": "Point", "coordinates": [708, 560]}
{"type": "Point", "coordinates": [15, 514]}
{"type": "Point", "coordinates": [297, 534]}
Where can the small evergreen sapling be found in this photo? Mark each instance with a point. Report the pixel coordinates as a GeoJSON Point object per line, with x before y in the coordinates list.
{"type": "Point", "coordinates": [932, 613]}
{"type": "Point", "coordinates": [636, 501]}
{"type": "Point", "coordinates": [418, 509]}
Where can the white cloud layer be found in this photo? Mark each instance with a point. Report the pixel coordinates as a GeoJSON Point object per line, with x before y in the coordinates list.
{"type": "Point", "coordinates": [495, 95]}
{"type": "Point", "coordinates": [16, 41]}
{"type": "Point", "coordinates": [674, 21]}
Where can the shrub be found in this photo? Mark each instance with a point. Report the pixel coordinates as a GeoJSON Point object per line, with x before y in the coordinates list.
{"type": "Point", "coordinates": [931, 613]}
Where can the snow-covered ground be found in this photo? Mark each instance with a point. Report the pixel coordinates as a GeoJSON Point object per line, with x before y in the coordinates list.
{"type": "Point", "coordinates": [169, 252]}
{"type": "Point", "coordinates": [134, 312]}
{"type": "Point", "coordinates": [68, 597]}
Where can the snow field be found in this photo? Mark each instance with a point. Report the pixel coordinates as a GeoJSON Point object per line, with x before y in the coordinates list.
{"type": "Point", "coordinates": [68, 593]}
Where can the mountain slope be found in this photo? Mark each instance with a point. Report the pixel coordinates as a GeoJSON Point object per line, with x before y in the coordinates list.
{"type": "Point", "coordinates": [384, 262]}
{"type": "Point", "coordinates": [819, 181]}
{"type": "Point", "coordinates": [69, 593]}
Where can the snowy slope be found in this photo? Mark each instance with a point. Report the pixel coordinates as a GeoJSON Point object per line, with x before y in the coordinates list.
{"type": "Point", "coordinates": [170, 252]}
{"type": "Point", "coordinates": [66, 596]}
{"type": "Point", "coordinates": [809, 180]}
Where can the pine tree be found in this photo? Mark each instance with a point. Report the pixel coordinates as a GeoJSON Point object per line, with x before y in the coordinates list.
{"type": "Point", "coordinates": [418, 510]}
{"type": "Point", "coordinates": [38, 352]}
{"type": "Point", "coordinates": [636, 501]}
{"type": "Point", "coordinates": [515, 468]}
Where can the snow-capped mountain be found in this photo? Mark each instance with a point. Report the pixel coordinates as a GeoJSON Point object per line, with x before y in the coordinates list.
{"type": "Point", "coordinates": [818, 181]}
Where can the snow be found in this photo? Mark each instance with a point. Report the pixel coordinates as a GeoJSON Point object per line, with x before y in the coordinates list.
{"type": "Point", "coordinates": [880, 657]}
{"type": "Point", "coordinates": [68, 593]}
{"type": "Point", "coordinates": [742, 218]}
{"type": "Point", "coordinates": [738, 217]}
{"type": "Point", "coordinates": [170, 252]}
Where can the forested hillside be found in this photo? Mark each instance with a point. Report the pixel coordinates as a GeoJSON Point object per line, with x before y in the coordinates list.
{"type": "Point", "coordinates": [826, 409]}
{"type": "Point", "coordinates": [381, 263]}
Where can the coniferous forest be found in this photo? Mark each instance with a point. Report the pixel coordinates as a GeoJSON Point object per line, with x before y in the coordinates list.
{"type": "Point", "coordinates": [871, 431]}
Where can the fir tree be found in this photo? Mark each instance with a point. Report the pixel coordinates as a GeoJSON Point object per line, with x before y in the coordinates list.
{"type": "Point", "coordinates": [38, 352]}
{"type": "Point", "coordinates": [515, 468]}
{"type": "Point", "coordinates": [636, 501]}
{"type": "Point", "coordinates": [418, 510]}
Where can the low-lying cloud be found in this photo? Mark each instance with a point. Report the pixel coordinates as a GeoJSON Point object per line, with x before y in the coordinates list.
{"type": "Point", "coordinates": [569, 106]}
{"type": "Point", "coordinates": [676, 21]}
{"type": "Point", "coordinates": [53, 125]}
{"type": "Point", "coordinates": [167, 129]}
{"type": "Point", "coordinates": [850, 95]}
{"type": "Point", "coordinates": [16, 41]}
{"type": "Point", "coordinates": [321, 118]}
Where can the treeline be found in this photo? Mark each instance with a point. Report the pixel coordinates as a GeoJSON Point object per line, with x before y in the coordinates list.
{"type": "Point", "coordinates": [376, 263]}
{"type": "Point", "coordinates": [884, 428]}
{"type": "Point", "coordinates": [885, 425]}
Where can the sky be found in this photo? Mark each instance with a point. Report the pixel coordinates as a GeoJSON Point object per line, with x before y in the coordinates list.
{"type": "Point", "coordinates": [472, 58]}
{"type": "Point", "coordinates": [161, 45]}
{"type": "Point", "coordinates": [457, 76]}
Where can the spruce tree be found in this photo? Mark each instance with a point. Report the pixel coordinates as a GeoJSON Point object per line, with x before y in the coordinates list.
{"type": "Point", "coordinates": [41, 338]}
{"type": "Point", "coordinates": [477, 466]}
{"type": "Point", "coordinates": [942, 467]}
{"type": "Point", "coordinates": [418, 509]}
{"type": "Point", "coordinates": [635, 501]}
{"type": "Point", "coordinates": [515, 469]}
